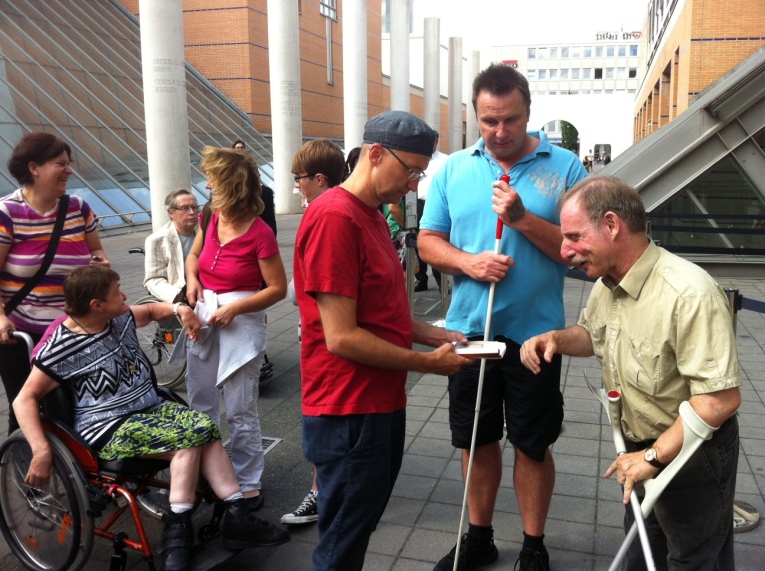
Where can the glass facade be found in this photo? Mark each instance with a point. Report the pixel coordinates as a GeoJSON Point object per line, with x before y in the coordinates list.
{"type": "Point", "coordinates": [721, 210]}
{"type": "Point", "coordinates": [73, 68]}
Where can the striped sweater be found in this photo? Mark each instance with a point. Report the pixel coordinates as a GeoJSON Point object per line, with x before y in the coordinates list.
{"type": "Point", "coordinates": [27, 232]}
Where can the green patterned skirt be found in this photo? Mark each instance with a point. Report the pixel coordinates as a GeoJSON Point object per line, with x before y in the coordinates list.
{"type": "Point", "coordinates": [172, 426]}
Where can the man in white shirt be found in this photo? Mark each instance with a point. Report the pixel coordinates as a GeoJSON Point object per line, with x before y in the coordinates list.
{"type": "Point", "coordinates": [167, 248]}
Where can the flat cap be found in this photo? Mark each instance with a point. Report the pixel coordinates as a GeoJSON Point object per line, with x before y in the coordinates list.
{"type": "Point", "coordinates": [400, 131]}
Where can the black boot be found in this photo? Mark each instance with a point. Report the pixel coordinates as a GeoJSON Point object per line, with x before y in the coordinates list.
{"type": "Point", "coordinates": [242, 529]}
{"type": "Point", "coordinates": [177, 540]}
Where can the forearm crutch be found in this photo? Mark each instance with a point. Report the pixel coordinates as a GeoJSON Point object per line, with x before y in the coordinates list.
{"type": "Point", "coordinates": [479, 392]}
{"type": "Point", "coordinates": [695, 431]}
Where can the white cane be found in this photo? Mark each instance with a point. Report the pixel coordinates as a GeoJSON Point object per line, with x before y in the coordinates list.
{"type": "Point", "coordinates": [479, 393]}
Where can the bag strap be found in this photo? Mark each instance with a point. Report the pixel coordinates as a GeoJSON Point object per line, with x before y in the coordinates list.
{"type": "Point", "coordinates": [58, 226]}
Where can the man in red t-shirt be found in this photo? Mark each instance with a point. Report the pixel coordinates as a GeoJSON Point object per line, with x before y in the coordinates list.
{"type": "Point", "coordinates": [357, 335]}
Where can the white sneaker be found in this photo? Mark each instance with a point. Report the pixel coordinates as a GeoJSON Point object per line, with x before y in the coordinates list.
{"type": "Point", "coordinates": [307, 512]}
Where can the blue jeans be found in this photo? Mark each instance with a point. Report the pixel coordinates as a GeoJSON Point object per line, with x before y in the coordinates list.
{"type": "Point", "coordinates": [357, 459]}
{"type": "Point", "coordinates": [691, 526]}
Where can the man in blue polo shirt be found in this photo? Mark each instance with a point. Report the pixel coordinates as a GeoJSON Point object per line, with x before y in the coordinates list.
{"type": "Point", "coordinates": [457, 237]}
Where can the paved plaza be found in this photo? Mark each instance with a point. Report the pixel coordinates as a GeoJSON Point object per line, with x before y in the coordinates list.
{"type": "Point", "coordinates": [420, 524]}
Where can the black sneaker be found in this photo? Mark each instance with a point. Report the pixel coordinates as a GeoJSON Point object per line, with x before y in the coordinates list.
{"type": "Point", "coordinates": [177, 540]}
{"type": "Point", "coordinates": [420, 286]}
{"type": "Point", "coordinates": [530, 560]}
{"type": "Point", "coordinates": [473, 554]}
{"type": "Point", "coordinates": [307, 512]}
{"type": "Point", "coordinates": [243, 529]}
{"type": "Point", "coordinates": [255, 502]}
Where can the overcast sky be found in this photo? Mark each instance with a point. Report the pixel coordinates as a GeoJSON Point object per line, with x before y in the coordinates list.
{"type": "Point", "coordinates": [485, 23]}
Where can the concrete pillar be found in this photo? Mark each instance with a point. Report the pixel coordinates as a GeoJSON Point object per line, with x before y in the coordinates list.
{"type": "Point", "coordinates": [455, 94]}
{"type": "Point", "coordinates": [164, 98]}
{"type": "Point", "coordinates": [432, 72]}
{"type": "Point", "coordinates": [399, 55]}
{"type": "Point", "coordinates": [286, 105]}
{"type": "Point", "coordinates": [471, 124]}
{"type": "Point", "coordinates": [355, 105]}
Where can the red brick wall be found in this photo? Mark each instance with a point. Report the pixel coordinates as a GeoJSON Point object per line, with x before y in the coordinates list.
{"type": "Point", "coordinates": [227, 41]}
{"type": "Point", "coordinates": [700, 41]}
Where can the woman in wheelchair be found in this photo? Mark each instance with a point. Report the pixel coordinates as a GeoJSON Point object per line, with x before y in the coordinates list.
{"type": "Point", "coordinates": [94, 353]}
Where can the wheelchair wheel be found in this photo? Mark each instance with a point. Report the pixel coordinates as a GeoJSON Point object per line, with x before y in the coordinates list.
{"type": "Point", "coordinates": [157, 340]}
{"type": "Point", "coordinates": [47, 527]}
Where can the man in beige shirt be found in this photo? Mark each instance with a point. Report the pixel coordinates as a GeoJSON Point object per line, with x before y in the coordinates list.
{"type": "Point", "coordinates": [661, 329]}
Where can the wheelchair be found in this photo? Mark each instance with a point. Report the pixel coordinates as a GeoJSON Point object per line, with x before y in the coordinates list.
{"type": "Point", "coordinates": [52, 527]}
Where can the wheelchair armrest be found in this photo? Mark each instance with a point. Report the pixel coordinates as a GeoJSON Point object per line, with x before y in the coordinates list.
{"type": "Point", "coordinates": [80, 449]}
{"type": "Point", "coordinates": [170, 395]}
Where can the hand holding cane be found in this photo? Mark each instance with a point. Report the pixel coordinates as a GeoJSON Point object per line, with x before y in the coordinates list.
{"type": "Point", "coordinates": [479, 393]}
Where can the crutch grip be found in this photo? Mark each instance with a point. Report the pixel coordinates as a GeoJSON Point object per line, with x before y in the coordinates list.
{"type": "Point", "coordinates": [695, 431]}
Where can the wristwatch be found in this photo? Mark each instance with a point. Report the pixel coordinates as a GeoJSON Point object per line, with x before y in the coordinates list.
{"type": "Point", "coordinates": [650, 457]}
{"type": "Point", "coordinates": [177, 305]}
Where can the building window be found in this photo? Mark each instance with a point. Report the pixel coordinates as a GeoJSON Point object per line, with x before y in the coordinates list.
{"type": "Point", "coordinates": [585, 91]}
{"type": "Point", "coordinates": [328, 8]}
{"type": "Point", "coordinates": [587, 51]}
{"type": "Point", "coordinates": [621, 72]}
{"type": "Point", "coordinates": [609, 73]}
{"type": "Point", "coordinates": [598, 73]}
{"type": "Point", "coordinates": [564, 52]}
{"type": "Point", "coordinates": [609, 90]}
{"type": "Point", "coordinates": [576, 52]}
{"type": "Point", "coordinates": [553, 53]}
{"type": "Point", "coordinates": [633, 73]}
{"type": "Point", "coordinates": [564, 74]}
{"type": "Point", "coordinates": [531, 74]}
{"type": "Point", "coordinates": [553, 93]}
{"type": "Point", "coordinates": [542, 53]}
{"type": "Point", "coordinates": [542, 74]}
{"type": "Point", "coordinates": [610, 51]}
{"type": "Point", "coordinates": [575, 73]}
{"type": "Point", "coordinates": [541, 92]}
{"type": "Point", "coordinates": [553, 74]}
{"type": "Point", "coordinates": [587, 73]}
{"type": "Point", "coordinates": [532, 53]}
{"type": "Point", "coordinates": [597, 91]}
{"type": "Point", "coordinates": [633, 51]}
{"type": "Point", "coordinates": [622, 51]}
{"type": "Point", "coordinates": [598, 51]}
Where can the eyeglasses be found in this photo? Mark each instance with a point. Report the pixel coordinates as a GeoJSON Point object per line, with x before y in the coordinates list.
{"type": "Point", "coordinates": [187, 208]}
{"type": "Point", "coordinates": [299, 177]}
{"type": "Point", "coordinates": [412, 174]}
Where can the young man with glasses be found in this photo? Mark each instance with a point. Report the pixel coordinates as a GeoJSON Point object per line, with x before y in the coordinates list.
{"type": "Point", "coordinates": [167, 248]}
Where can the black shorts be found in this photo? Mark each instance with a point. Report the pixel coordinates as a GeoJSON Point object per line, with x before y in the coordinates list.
{"type": "Point", "coordinates": [533, 404]}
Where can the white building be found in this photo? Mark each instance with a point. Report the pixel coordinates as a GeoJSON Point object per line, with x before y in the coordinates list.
{"type": "Point", "coordinates": [591, 85]}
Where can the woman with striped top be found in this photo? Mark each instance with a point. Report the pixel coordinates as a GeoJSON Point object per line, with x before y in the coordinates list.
{"type": "Point", "coordinates": [40, 162]}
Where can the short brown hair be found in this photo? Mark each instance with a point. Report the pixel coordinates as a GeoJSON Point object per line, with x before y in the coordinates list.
{"type": "Point", "coordinates": [85, 284]}
{"type": "Point", "coordinates": [320, 156]}
{"type": "Point", "coordinates": [237, 191]}
{"type": "Point", "coordinates": [500, 79]}
{"type": "Point", "coordinates": [36, 148]}
{"type": "Point", "coordinates": [171, 198]}
{"type": "Point", "coordinates": [600, 194]}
